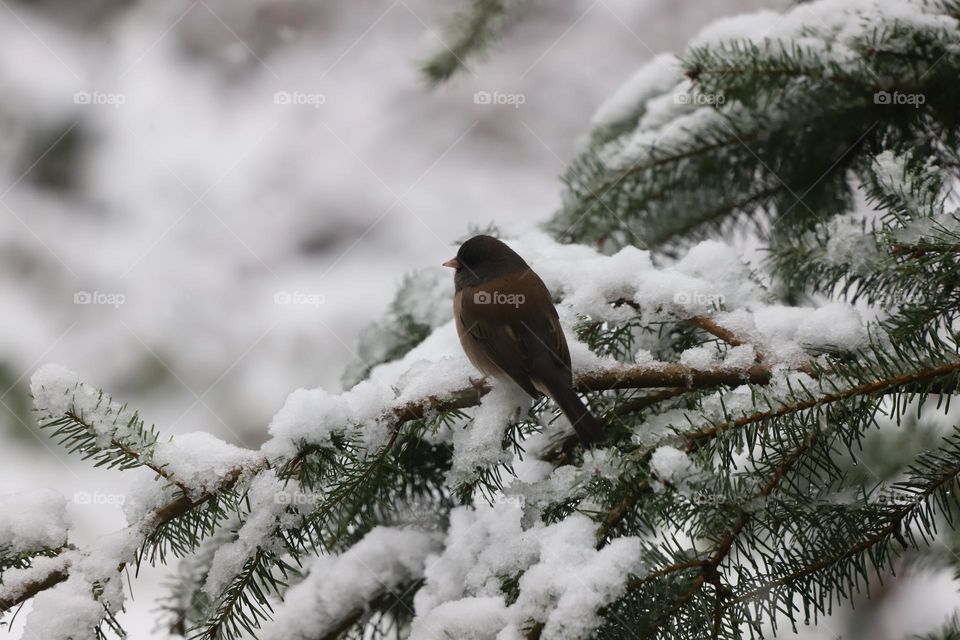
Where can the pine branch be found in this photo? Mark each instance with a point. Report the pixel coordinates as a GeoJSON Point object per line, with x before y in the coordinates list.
{"type": "Point", "coordinates": [30, 589]}
{"type": "Point", "coordinates": [940, 482]}
{"type": "Point", "coordinates": [906, 381]}
{"type": "Point", "coordinates": [468, 35]}
{"type": "Point", "coordinates": [627, 377]}
{"type": "Point", "coordinates": [708, 569]}
{"type": "Point", "coordinates": [149, 529]}
{"type": "Point", "coordinates": [127, 451]}
{"type": "Point", "coordinates": [697, 437]}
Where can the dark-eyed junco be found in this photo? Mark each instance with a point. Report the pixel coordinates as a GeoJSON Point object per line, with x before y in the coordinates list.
{"type": "Point", "coordinates": [510, 330]}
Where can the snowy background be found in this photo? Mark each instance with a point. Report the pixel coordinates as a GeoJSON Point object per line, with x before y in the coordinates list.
{"type": "Point", "coordinates": [172, 173]}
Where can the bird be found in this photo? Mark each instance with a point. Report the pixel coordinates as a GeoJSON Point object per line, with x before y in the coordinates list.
{"type": "Point", "coordinates": [510, 330]}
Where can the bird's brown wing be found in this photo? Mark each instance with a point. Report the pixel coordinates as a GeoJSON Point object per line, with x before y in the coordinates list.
{"type": "Point", "coordinates": [509, 327]}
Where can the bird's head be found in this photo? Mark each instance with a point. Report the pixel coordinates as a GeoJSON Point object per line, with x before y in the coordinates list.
{"type": "Point", "coordinates": [483, 259]}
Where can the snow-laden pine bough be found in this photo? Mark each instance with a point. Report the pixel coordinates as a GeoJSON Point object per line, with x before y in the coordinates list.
{"type": "Point", "coordinates": [737, 488]}
{"type": "Point", "coordinates": [370, 480]}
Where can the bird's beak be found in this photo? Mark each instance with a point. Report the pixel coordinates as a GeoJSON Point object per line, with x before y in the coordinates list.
{"type": "Point", "coordinates": [453, 263]}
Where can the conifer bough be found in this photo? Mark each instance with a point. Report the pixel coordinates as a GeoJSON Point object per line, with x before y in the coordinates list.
{"type": "Point", "coordinates": [771, 453]}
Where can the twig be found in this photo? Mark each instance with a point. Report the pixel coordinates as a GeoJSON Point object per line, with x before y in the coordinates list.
{"type": "Point", "coordinates": [877, 386]}
{"type": "Point", "coordinates": [625, 377]}
{"type": "Point", "coordinates": [30, 589]}
{"type": "Point", "coordinates": [709, 325]}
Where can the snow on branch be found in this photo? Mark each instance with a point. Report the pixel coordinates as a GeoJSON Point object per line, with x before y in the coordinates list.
{"type": "Point", "coordinates": [691, 145]}
{"type": "Point", "coordinates": [338, 589]}
{"type": "Point", "coordinates": [339, 465]}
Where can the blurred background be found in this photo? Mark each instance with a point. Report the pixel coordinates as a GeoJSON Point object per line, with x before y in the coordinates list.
{"type": "Point", "coordinates": [203, 203]}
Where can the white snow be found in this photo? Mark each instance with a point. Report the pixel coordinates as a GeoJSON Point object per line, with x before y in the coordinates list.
{"type": "Point", "coordinates": [312, 415]}
{"type": "Point", "coordinates": [52, 388]}
{"type": "Point", "coordinates": [565, 578]}
{"type": "Point", "coordinates": [539, 483]}
{"type": "Point", "coordinates": [201, 461]}
{"type": "Point", "coordinates": [572, 580]}
{"type": "Point", "coordinates": [671, 465]}
{"type": "Point", "coordinates": [699, 357]}
{"type": "Point", "coordinates": [483, 546]}
{"type": "Point", "coordinates": [269, 498]}
{"type": "Point", "coordinates": [849, 242]}
{"type": "Point", "coordinates": [740, 357]}
{"type": "Point", "coordinates": [386, 560]}
{"type": "Point", "coordinates": [659, 74]}
{"type": "Point", "coordinates": [473, 618]}
{"type": "Point", "coordinates": [479, 444]}
{"type": "Point", "coordinates": [57, 390]}
{"type": "Point", "coordinates": [33, 520]}
{"type": "Point", "coordinates": [836, 326]}
{"type": "Point", "coordinates": [65, 612]}
{"type": "Point", "coordinates": [69, 609]}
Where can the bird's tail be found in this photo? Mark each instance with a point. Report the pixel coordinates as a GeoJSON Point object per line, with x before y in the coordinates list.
{"type": "Point", "coordinates": [589, 429]}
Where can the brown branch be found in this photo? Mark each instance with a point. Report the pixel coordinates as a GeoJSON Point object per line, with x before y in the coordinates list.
{"type": "Point", "coordinates": [665, 571]}
{"type": "Point", "coordinates": [620, 511]}
{"type": "Point", "coordinates": [921, 248]}
{"type": "Point", "coordinates": [131, 452]}
{"type": "Point", "coordinates": [625, 377]}
{"type": "Point", "coordinates": [870, 388]}
{"type": "Point", "coordinates": [32, 588]}
{"type": "Point", "coordinates": [710, 325]}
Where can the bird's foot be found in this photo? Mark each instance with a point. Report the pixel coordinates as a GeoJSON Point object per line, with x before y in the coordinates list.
{"type": "Point", "coordinates": [480, 385]}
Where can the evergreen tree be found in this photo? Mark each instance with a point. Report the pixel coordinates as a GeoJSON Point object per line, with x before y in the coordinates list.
{"type": "Point", "coordinates": [770, 454]}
